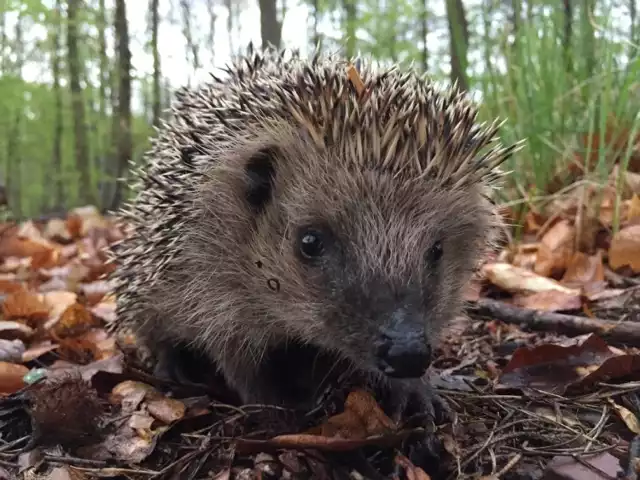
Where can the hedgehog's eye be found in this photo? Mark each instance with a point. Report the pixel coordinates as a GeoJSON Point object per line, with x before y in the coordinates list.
{"type": "Point", "coordinates": [311, 244]}
{"type": "Point", "coordinates": [435, 252]}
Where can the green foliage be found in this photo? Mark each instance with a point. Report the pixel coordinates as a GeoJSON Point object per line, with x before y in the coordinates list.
{"type": "Point", "coordinates": [561, 100]}
{"type": "Point", "coordinates": [560, 97]}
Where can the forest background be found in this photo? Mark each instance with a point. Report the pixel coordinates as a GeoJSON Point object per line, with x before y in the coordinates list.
{"type": "Point", "coordinates": [83, 82]}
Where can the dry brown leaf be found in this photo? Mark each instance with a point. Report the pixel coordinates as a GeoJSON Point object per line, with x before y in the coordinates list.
{"type": "Point", "coordinates": [74, 320]}
{"type": "Point", "coordinates": [105, 310]}
{"type": "Point", "coordinates": [362, 417]}
{"type": "Point", "coordinates": [11, 350]}
{"type": "Point", "coordinates": [66, 472]}
{"type": "Point", "coordinates": [22, 247]}
{"type": "Point", "coordinates": [533, 222]}
{"type": "Point", "coordinates": [29, 230]}
{"type": "Point", "coordinates": [167, 410]}
{"type": "Point", "coordinates": [22, 304]}
{"type": "Point", "coordinates": [634, 208]}
{"type": "Point", "coordinates": [57, 302]}
{"type": "Point", "coordinates": [10, 330]}
{"type": "Point", "coordinates": [96, 291]}
{"type": "Point", "coordinates": [56, 230]}
{"type": "Point", "coordinates": [141, 421]}
{"type": "Point", "coordinates": [627, 416]}
{"type": "Point", "coordinates": [15, 266]}
{"type": "Point", "coordinates": [130, 393]}
{"type": "Point", "coordinates": [625, 249]}
{"type": "Point", "coordinates": [632, 180]}
{"type": "Point", "coordinates": [10, 286]}
{"type": "Point", "coordinates": [101, 344]}
{"type": "Point", "coordinates": [12, 377]}
{"type": "Point", "coordinates": [35, 351]}
{"type": "Point", "coordinates": [526, 255]}
{"type": "Point", "coordinates": [556, 247]}
{"type": "Point", "coordinates": [90, 218]}
{"type": "Point", "coordinates": [411, 471]}
{"type": "Point", "coordinates": [365, 406]}
{"type": "Point", "coordinates": [28, 242]}
{"type": "Point", "coordinates": [584, 269]}
{"type": "Point", "coordinates": [518, 280]}
{"type": "Point", "coordinates": [549, 301]}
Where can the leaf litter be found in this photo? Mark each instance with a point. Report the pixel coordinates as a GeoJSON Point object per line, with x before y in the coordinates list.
{"type": "Point", "coordinates": [543, 375]}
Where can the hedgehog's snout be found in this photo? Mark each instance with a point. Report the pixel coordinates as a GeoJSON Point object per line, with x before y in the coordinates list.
{"type": "Point", "coordinates": [402, 349]}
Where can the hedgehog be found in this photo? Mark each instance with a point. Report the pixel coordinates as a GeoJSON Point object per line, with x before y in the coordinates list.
{"type": "Point", "coordinates": [286, 213]}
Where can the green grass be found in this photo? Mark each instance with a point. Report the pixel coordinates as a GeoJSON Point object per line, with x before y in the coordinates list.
{"type": "Point", "coordinates": [563, 107]}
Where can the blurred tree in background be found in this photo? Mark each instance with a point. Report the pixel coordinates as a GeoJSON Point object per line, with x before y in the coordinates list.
{"type": "Point", "coordinates": [83, 82]}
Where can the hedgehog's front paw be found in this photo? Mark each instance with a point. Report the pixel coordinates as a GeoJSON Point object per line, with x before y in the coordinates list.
{"type": "Point", "coordinates": [179, 364]}
{"type": "Point", "coordinates": [414, 401]}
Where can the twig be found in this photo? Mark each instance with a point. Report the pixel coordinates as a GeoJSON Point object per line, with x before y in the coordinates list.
{"type": "Point", "coordinates": [621, 333]}
{"type": "Point", "coordinates": [75, 461]}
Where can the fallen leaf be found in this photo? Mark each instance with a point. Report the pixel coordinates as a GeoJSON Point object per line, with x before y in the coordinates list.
{"type": "Point", "coordinates": [12, 377]}
{"type": "Point", "coordinates": [627, 416]}
{"type": "Point", "coordinates": [565, 467]}
{"type": "Point", "coordinates": [411, 471]}
{"type": "Point", "coordinates": [625, 248]}
{"type": "Point", "coordinates": [361, 418]}
{"type": "Point", "coordinates": [567, 368]}
{"type": "Point", "coordinates": [584, 269]}
{"type": "Point", "coordinates": [56, 230]}
{"type": "Point", "coordinates": [66, 472]}
{"type": "Point", "coordinates": [526, 255]}
{"type": "Point", "coordinates": [556, 247]}
{"type": "Point", "coordinates": [518, 280]}
{"type": "Point", "coordinates": [549, 301]}
{"type": "Point", "coordinates": [25, 305]}
{"type": "Point", "coordinates": [9, 286]}
{"type": "Point", "coordinates": [36, 350]}
{"type": "Point", "coordinates": [112, 365]}
{"type": "Point", "coordinates": [140, 421]}
{"type": "Point", "coordinates": [634, 208]}
{"type": "Point", "coordinates": [12, 330]}
{"type": "Point", "coordinates": [167, 410]}
{"type": "Point", "coordinates": [11, 350]}
{"type": "Point", "coordinates": [73, 321]}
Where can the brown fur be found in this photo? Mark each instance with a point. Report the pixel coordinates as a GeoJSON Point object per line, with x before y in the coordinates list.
{"type": "Point", "coordinates": [219, 299]}
{"type": "Point", "coordinates": [230, 284]}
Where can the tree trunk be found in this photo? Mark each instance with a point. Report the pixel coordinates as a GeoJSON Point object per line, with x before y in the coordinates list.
{"type": "Point", "coordinates": [156, 100]}
{"type": "Point", "coordinates": [424, 31]}
{"type": "Point", "coordinates": [77, 104]}
{"type": "Point", "coordinates": [103, 150]}
{"type": "Point", "coordinates": [123, 131]}
{"type": "Point", "coordinates": [3, 41]}
{"type": "Point", "coordinates": [566, 38]}
{"type": "Point", "coordinates": [633, 36]}
{"type": "Point", "coordinates": [58, 128]}
{"type": "Point", "coordinates": [458, 42]}
{"type": "Point", "coordinates": [230, 18]}
{"type": "Point", "coordinates": [315, 36]}
{"type": "Point", "coordinates": [212, 28]}
{"type": "Point", "coordinates": [192, 47]}
{"type": "Point", "coordinates": [14, 155]}
{"type": "Point", "coordinates": [589, 36]}
{"type": "Point", "coordinates": [270, 27]}
{"type": "Point", "coordinates": [516, 16]}
{"type": "Point", "coordinates": [351, 15]}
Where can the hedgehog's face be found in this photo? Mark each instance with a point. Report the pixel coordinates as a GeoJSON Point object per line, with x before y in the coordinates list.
{"type": "Point", "coordinates": [362, 263]}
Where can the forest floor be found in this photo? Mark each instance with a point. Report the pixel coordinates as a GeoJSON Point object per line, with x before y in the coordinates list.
{"type": "Point", "coordinates": [542, 374]}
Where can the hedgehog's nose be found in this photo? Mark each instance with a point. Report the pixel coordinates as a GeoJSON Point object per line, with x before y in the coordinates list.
{"type": "Point", "coordinates": [401, 349]}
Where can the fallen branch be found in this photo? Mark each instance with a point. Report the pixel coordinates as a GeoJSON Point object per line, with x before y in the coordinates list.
{"type": "Point", "coordinates": [615, 332]}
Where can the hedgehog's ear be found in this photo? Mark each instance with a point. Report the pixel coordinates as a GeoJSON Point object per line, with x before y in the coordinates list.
{"type": "Point", "coordinates": [260, 172]}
